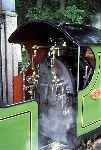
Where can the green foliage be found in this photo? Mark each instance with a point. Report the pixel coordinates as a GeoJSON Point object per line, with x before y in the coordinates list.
{"type": "Point", "coordinates": [75, 11]}
{"type": "Point", "coordinates": [71, 14]}
{"type": "Point", "coordinates": [75, 15]}
{"type": "Point", "coordinates": [44, 14]}
{"type": "Point", "coordinates": [21, 9]}
{"type": "Point", "coordinates": [37, 13]}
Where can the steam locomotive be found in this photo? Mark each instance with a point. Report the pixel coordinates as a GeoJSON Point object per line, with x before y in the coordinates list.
{"type": "Point", "coordinates": [60, 107]}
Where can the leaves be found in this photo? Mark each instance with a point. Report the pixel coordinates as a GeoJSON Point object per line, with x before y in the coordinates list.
{"type": "Point", "coordinates": [72, 11]}
{"type": "Point", "coordinates": [44, 14]}
{"type": "Point", "coordinates": [74, 15]}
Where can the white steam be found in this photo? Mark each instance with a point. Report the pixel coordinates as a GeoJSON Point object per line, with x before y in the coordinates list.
{"type": "Point", "coordinates": [57, 117]}
{"type": "Point", "coordinates": [96, 20]}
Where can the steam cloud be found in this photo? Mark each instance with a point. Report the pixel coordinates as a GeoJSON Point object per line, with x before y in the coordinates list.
{"type": "Point", "coordinates": [56, 119]}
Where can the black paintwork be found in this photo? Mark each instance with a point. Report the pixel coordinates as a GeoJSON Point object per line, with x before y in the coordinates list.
{"type": "Point", "coordinates": [41, 31]}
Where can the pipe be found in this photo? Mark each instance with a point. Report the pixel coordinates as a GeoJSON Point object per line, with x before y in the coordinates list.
{"type": "Point", "coordinates": [1, 84]}
{"type": "Point", "coordinates": [78, 69]}
{"type": "Point", "coordinates": [5, 36]}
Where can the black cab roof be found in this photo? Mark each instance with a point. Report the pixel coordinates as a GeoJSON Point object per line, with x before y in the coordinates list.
{"type": "Point", "coordinates": [41, 31]}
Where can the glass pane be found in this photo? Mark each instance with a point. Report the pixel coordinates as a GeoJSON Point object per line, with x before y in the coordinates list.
{"type": "Point", "coordinates": [18, 77]}
{"type": "Point", "coordinates": [87, 67]}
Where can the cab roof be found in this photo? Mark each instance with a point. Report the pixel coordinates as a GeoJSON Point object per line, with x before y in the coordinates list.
{"type": "Point", "coordinates": [41, 31]}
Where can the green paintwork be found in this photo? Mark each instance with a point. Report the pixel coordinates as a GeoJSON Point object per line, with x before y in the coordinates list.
{"type": "Point", "coordinates": [89, 110]}
{"type": "Point", "coordinates": [19, 127]}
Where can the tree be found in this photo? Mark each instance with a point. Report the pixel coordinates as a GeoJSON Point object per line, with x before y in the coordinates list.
{"type": "Point", "coordinates": [73, 11]}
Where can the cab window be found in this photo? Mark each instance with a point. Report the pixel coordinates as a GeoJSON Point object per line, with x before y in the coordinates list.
{"type": "Point", "coordinates": [87, 67]}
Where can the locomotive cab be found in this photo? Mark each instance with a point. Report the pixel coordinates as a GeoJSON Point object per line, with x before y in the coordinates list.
{"type": "Point", "coordinates": [63, 75]}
